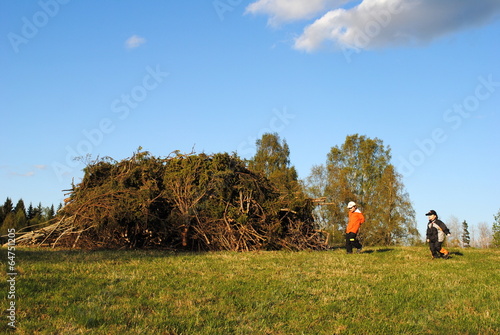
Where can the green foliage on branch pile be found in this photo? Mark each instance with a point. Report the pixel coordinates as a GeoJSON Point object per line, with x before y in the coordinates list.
{"type": "Point", "coordinates": [184, 202]}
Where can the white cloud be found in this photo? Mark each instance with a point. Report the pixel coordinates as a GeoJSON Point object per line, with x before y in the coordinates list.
{"type": "Point", "coordinates": [26, 174]}
{"type": "Point", "coordinates": [134, 41]}
{"type": "Point", "coordinates": [291, 10]}
{"type": "Point", "coordinates": [377, 23]}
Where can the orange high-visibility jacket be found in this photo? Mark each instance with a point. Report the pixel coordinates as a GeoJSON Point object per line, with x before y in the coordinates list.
{"type": "Point", "coordinates": [356, 218]}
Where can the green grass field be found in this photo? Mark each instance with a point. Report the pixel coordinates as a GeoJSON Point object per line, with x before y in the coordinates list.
{"type": "Point", "coordinates": [382, 291]}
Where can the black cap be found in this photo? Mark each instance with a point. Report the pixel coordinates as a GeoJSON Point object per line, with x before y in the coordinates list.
{"type": "Point", "coordinates": [432, 212]}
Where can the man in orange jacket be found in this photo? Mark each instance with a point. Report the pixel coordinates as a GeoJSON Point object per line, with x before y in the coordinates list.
{"type": "Point", "coordinates": [356, 218]}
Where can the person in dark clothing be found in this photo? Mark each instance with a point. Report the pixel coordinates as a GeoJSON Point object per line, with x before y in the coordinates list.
{"type": "Point", "coordinates": [436, 232]}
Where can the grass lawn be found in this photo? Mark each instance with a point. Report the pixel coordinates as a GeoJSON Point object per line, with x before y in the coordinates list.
{"type": "Point", "coordinates": [381, 291]}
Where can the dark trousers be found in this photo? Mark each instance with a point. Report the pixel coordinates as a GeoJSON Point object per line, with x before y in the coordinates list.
{"type": "Point", "coordinates": [436, 248]}
{"type": "Point", "coordinates": [351, 241]}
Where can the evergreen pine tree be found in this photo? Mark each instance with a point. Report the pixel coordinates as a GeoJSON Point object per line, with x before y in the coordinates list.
{"type": "Point", "coordinates": [465, 234]}
{"type": "Point", "coordinates": [20, 206]}
{"type": "Point", "coordinates": [50, 213]}
{"type": "Point", "coordinates": [496, 231]}
{"type": "Point", "coordinates": [5, 210]}
{"type": "Point", "coordinates": [8, 206]}
{"type": "Point", "coordinates": [31, 212]}
{"type": "Point", "coordinates": [35, 215]}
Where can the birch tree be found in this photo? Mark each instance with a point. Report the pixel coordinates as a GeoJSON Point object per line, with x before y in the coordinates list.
{"type": "Point", "coordinates": [360, 170]}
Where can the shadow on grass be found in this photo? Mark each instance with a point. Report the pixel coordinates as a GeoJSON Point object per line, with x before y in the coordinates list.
{"type": "Point", "coordinates": [84, 256]}
{"type": "Point", "coordinates": [364, 250]}
{"type": "Point", "coordinates": [457, 253]}
{"type": "Point", "coordinates": [378, 250]}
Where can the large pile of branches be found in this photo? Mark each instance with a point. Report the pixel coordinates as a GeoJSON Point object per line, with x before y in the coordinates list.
{"type": "Point", "coordinates": [182, 202]}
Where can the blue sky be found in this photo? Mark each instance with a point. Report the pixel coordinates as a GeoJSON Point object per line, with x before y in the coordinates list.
{"type": "Point", "coordinates": [105, 77]}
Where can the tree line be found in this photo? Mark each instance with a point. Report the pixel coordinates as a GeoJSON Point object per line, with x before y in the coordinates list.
{"type": "Point", "coordinates": [21, 218]}
{"type": "Point", "coordinates": [482, 236]}
{"type": "Point", "coordinates": [222, 202]}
